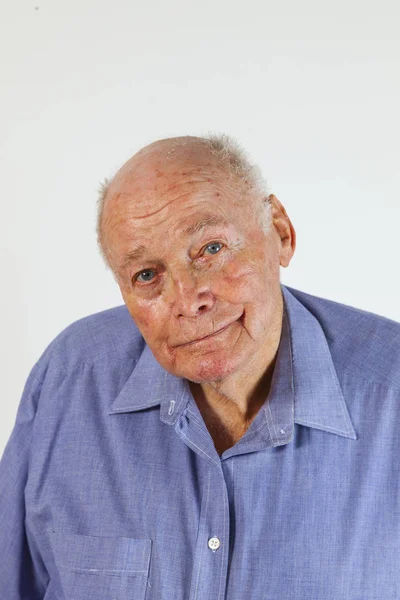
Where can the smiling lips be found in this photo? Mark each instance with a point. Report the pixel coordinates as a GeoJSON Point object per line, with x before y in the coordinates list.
{"type": "Point", "coordinates": [206, 337]}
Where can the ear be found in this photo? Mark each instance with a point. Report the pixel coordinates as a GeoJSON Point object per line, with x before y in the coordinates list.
{"type": "Point", "coordinates": [284, 228]}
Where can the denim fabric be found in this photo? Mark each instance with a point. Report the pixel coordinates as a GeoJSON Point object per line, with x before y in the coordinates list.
{"type": "Point", "coordinates": [111, 487]}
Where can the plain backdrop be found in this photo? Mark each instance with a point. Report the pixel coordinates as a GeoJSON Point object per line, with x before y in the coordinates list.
{"type": "Point", "coordinates": [310, 88]}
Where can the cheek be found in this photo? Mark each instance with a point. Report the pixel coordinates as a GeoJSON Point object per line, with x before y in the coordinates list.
{"type": "Point", "coordinates": [148, 319]}
{"type": "Point", "coordinates": [143, 319]}
{"type": "Point", "coordinates": [241, 282]}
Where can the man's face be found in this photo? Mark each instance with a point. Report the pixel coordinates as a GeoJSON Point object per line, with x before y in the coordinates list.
{"type": "Point", "coordinates": [202, 279]}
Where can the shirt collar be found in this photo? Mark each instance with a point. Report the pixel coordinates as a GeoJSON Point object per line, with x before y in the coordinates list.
{"type": "Point", "coordinates": [318, 397]}
{"type": "Point", "coordinates": [151, 385]}
{"type": "Point", "coordinates": [304, 376]}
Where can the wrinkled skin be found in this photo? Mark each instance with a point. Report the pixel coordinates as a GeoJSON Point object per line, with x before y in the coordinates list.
{"type": "Point", "coordinates": [185, 287]}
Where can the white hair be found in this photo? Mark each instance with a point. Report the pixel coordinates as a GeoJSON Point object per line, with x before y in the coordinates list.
{"type": "Point", "coordinates": [233, 160]}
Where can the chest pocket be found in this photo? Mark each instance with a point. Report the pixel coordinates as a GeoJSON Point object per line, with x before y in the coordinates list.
{"type": "Point", "coordinates": [102, 568]}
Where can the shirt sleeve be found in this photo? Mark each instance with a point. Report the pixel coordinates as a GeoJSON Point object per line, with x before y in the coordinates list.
{"type": "Point", "coordinates": [22, 573]}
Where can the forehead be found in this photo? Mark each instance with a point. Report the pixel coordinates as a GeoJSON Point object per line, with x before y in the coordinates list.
{"type": "Point", "coordinates": [180, 197]}
{"type": "Point", "coordinates": [145, 195]}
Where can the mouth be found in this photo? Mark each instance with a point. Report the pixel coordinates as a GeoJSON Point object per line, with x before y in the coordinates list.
{"type": "Point", "coordinates": [211, 335]}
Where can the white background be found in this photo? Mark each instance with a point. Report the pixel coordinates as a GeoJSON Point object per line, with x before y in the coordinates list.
{"type": "Point", "coordinates": [310, 88]}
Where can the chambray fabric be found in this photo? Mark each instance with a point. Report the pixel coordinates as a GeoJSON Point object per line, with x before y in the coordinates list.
{"type": "Point", "coordinates": [111, 487]}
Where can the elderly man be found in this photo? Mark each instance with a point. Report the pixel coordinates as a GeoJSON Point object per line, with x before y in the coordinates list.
{"type": "Point", "coordinates": [220, 436]}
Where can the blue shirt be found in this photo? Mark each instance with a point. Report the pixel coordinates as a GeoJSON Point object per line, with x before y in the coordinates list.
{"type": "Point", "coordinates": [111, 487]}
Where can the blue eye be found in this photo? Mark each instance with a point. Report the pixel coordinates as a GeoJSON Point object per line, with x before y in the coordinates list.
{"type": "Point", "coordinates": [213, 248]}
{"type": "Point", "coordinates": [145, 276]}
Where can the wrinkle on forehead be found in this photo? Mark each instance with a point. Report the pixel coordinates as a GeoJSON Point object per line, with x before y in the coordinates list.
{"type": "Point", "coordinates": [150, 203]}
{"type": "Point", "coordinates": [148, 198]}
{"type": "Point", "coordinates": [131, 219]}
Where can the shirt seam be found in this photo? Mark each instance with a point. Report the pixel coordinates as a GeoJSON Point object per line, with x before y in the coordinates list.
{"type": "Point", "coordinates": [226, 500]}
{"type": "Point", "coordinates": [68, 367]}
{"type": "Point", "coordinates": [202, 550]}
{"type": "Point", "coordinates": [306, 422]}
{"type": "Point", "coordinates": [388, 386]}
{"type": "Point", "coordinates": [199, 449]}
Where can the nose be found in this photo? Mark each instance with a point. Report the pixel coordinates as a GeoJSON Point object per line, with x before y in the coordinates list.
{"type": "Point", "coordinates": [190, 294]}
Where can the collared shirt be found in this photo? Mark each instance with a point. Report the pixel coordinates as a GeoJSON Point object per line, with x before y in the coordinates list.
{"type": "Point", "coordinates": [111, 487]}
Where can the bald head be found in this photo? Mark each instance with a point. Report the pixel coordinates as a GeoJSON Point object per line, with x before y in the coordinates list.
{"type": "Point", "coordinates": [156, 170]}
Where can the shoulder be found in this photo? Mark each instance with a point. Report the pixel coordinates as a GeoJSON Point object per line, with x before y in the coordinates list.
{"type": "Point", "coordinates": [362, 343]}
{"type": "Point", "coordinates": [109, 335]}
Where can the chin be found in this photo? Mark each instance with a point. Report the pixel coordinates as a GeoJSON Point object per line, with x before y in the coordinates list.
{"type": "Point", "coordinates": [209, 369]}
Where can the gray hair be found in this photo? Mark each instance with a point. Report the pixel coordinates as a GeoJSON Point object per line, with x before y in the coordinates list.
{"type": "Point", "coordinates": [232, 158]}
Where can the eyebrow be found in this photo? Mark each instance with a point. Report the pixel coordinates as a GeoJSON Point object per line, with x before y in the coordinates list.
{"type": "Point", "coordinates": [204, 223]}
{"type": "Point", "coordinates": [132, 255]}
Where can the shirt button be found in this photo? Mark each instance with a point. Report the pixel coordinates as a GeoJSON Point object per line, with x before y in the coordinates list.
{"type": "Point", "coordinates": [214, 543]}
